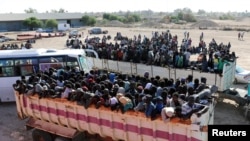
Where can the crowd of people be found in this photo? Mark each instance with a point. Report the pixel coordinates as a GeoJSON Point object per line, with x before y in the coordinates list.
{"type": "Point", "coordinates": [153, 96]}
{"type": "Point", "coordinates": [13, 46]}
{"type": "Point", "coordinates": [162, 49]}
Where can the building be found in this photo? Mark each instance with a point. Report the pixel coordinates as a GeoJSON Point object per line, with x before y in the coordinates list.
{"type": "Point", "coordinates": [14, 22]}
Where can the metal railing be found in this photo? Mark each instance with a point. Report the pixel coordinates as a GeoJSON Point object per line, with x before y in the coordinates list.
{"type": "Point", "coordinates": [167, 72]}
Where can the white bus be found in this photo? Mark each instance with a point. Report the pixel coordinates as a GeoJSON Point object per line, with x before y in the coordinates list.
{"type": "Point", "coordinates": [17, 63]}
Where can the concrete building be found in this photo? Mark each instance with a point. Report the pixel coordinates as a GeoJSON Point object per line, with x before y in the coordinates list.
{"type": "Point", "coordinates": [14, 22]}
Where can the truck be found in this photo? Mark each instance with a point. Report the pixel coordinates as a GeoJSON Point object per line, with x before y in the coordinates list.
{"type": "Point", "coordinates": [56, 119]}
{"type": "Point", "coordinates": [97, 30]}
{"type": "Point", "coordinates": [63, 27]}
{"type": "Point", "coordinates": [74, 34]}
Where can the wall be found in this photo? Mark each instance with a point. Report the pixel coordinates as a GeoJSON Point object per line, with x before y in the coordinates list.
{"type": "Point", "coordinates": [18, 25]}
{"type": "Point", "coordinates": [11, 26]}
{"type": "Point", "coordinates": [76, 23]}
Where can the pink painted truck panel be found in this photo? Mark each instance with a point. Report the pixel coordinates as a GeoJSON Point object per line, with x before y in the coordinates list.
{"type": "Point", "coordinates": [129, 126]}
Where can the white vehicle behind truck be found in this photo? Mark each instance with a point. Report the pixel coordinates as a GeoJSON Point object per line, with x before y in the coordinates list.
{"type": "Point", "coordinates": [63, 27]}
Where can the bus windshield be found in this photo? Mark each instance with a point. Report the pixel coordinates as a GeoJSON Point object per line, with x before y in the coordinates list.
{"type": "Point", "coordinates": [85, 64]}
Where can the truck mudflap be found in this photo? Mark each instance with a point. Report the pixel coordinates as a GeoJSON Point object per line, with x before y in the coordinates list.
{"type": "Point", "coordinates": [129, 126]}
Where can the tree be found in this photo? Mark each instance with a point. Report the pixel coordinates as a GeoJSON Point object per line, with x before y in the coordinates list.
{"type": "Point", "coordinates": [53, 11]}
{"type": "Point", "coordinates": [92, 21]}
{"type": "Point", "coordinates": [110, 17]}
{"type": "Point", "coordinates": [180, 15]}
{"type": "Point", "coordinates": [61, 10]}
{"type": "Point", "coordinates": [30, 10]}
{"type": "Point", "coordinates": [189, 17]}
{"type": "Point", "coordinates": [136, 17]}
{"type": "Point", "coordinates": [51, 23]}
{"type": "Point", "coordinates": [201, 12]}
{"type": "Point", "coordinates": [32, 23]}
{"type": "Point", "coordinates": [89, 20]}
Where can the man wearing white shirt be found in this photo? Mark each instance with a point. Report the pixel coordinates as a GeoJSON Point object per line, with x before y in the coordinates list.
{"type": "Point", "coordinates": [187, 55]}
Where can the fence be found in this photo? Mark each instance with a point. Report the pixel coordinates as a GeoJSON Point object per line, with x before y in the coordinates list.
{"type": "Point", "coordinates": [222, 83]}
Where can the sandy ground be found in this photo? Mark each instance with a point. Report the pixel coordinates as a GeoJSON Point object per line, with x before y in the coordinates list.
{"type": "Point", "coordinates": [12, 129]}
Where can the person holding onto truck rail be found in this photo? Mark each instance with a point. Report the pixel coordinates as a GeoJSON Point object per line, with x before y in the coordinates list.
{"type": "Point", "coordinates": [190, 107]}
{"type": "Point", "coordinates": [140, 107]}
{"type": "Point", "coordinates": [125, 103]}
{"type": "Point", "coordinates": [167, 113]}
{"type": "Point", "coordinates": [113, 102]}
{"type": "Point", "coordinates": [19, 86]}
{"type": "Point", "coordinates": [175, 101]}
{"type": "Point", "coordinates": [150, 107]}
{"type": "Point", "coordinates": [67, 90]}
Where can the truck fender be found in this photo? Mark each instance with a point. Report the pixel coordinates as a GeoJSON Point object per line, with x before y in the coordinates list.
{"type": "Point", "coordinates": [38, 134]}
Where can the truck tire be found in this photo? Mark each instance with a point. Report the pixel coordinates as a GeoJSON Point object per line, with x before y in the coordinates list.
{"type": "Point", "coordinates": [39, 135]}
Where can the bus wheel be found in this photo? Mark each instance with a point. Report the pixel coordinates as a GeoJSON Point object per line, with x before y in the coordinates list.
{"type": "Point", "coordinates": [39, 135]}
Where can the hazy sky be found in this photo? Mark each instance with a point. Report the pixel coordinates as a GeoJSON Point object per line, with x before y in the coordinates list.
{"type": "Point", "coordinates": [18, 6]}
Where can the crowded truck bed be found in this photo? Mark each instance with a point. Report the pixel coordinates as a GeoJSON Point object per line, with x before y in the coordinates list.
{"type": "Point", "coordinates": [64, 118]}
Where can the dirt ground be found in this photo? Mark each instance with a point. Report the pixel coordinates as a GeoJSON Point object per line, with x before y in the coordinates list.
{"type": "Point", "coordinates": [12, 129]}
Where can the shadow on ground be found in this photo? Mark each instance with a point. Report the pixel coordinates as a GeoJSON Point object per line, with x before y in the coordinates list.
{"type": "Point", "coordinates": [228, 113]}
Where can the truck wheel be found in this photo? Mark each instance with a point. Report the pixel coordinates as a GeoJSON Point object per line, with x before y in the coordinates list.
{"type": "Point", "coordinates": [39, 135]}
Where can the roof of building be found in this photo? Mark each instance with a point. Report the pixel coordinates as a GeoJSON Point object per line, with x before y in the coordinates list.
{"type": "Point", "coordinates": [40, 16]}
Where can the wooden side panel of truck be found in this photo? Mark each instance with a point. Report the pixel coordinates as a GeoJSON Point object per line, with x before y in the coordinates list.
{"type": "Point", "coordinates": [49, 114]}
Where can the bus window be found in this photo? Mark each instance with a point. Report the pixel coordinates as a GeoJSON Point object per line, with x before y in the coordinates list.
{"type": "Point", "coordinates": [45, 66]}
{"type": "Point", "coordinates": [8, 71]}
{"type": "Point", "coordinates": [1, 62]}
{"type": "Point", "coordinates": [1, 72]}
{"type": "Point", "coordinates": [17, 71]}
{"type": "Point", "coordinates": [84, 63]}
{"type": "Point", "coordinates": [6, 62]}
{"type": "Point", "coordinates": [24, 66]}
{"type": "Point", "coordinates": [51, 59]}
{"type": "Point", "coordinates": [25, 61]}
{"type": "Point", "coordinates": [27, 70]}
{"type": "Point", "coordinates": [18, 62]}
{"type": "Point", "coordinates": [72, 62]}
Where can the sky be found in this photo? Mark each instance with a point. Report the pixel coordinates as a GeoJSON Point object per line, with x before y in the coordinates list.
{"type": "Point", "coordinates": [18, 6]}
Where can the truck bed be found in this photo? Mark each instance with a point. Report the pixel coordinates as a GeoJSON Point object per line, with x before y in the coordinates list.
{"type": "Point", "coordinates": [129, 126]}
